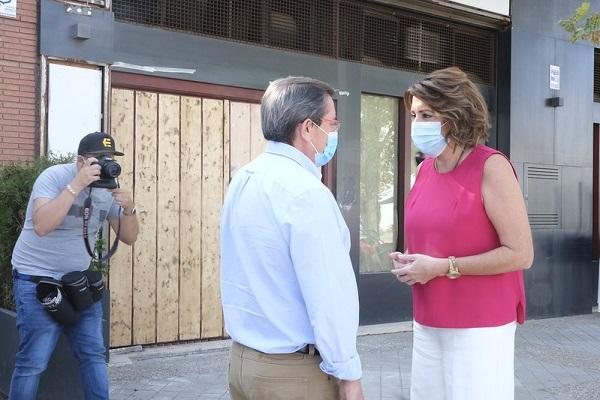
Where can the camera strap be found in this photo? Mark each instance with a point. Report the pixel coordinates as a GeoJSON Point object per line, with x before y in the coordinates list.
{"type": "Point", "coordinates": [87, 204]}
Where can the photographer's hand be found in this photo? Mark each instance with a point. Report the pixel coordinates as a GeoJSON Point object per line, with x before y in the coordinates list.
{"type": "Point", "coordinates": [87, 174]}
{"type": "Point", "coordinates": [48, 213]}
{"type": "Point", "coordinates": [123, 198]}
{"type": "Point", "coordinates": [129, 224]}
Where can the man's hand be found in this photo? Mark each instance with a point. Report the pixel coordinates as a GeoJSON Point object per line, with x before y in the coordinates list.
{"type": "Point", "coordinates": [123, 198]}
{"type": "Point", "coordinates": [351, 390]}
{"type": "Point", "coordinates": [87, 174]}
{"type": "Point", "coordinates": [129, 227]}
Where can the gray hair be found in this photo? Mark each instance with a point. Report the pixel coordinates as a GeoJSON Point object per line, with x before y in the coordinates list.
{"type": "Point", "coordinates": [288, 102]}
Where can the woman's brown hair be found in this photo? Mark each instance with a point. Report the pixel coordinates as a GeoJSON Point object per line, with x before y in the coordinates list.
{"type": "Point", "coordinates": [452, 95]}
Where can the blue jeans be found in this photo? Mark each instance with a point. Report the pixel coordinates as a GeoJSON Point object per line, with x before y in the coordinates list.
{"type": "Point", "coordinates": [38, 335]}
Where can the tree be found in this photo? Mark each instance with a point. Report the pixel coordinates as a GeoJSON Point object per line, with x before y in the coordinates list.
{"type": "Point", "coordinates": [582, 26]}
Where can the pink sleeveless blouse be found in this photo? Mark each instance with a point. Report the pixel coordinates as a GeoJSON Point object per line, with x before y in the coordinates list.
{"type": "Point", "coordinates": [445, 216]}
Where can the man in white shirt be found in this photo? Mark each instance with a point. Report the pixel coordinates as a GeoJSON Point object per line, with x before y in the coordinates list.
{"type": "Point", "coordinates": [288, 288]}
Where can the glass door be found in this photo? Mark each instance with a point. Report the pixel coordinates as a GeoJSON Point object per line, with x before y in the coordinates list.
{"type": "Point", "coordinates": [384, 180]}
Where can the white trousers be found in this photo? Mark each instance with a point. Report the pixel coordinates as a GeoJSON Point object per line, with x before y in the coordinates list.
{"type": "Point", "coordinates": [463, 364]}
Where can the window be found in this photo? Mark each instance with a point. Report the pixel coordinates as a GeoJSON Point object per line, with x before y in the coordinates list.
{"type": "Point", "coordinates": [378, 181]}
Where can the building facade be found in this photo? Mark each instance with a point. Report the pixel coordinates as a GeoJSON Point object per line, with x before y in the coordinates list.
{"type": "Point", "coordinates": [19, 78]}
{"type": "Point", "coordinates": [178, 83]}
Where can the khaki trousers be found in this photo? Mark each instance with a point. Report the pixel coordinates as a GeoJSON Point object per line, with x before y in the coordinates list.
{"type": "Point", "coordinates": [258, 376]}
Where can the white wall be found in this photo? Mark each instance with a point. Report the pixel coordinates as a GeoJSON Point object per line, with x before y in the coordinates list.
{"type": "Point", "coordinates": [74, 106]}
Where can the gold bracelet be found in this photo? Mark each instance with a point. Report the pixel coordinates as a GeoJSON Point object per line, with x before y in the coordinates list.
{"type": "Point", "coordinates": [70, 189]}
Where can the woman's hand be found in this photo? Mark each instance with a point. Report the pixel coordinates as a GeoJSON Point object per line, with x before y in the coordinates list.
{"type": "Point", "coordinates": [417, 268]}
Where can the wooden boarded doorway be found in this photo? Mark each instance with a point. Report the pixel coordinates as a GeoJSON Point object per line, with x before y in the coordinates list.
{"type": "Point", "coordinates": [180, 153]}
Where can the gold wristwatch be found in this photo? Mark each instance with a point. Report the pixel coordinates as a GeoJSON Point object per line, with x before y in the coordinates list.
{"type": "Point", "coordinates": [453, 271]}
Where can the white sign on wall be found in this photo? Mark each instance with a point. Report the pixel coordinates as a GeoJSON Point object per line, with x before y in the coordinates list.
{"type": "Point", "coordinates": [8, 8]}
{"type": "Point", "coordinates": [554, 77]}
{"type": "Point", "coordinates": [496, 6]}
{"type": "Point", "coordinates": [74, 106]}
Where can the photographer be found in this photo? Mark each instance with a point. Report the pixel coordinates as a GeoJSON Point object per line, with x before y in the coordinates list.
{"type": "Point", "coordinates": [50, 246]}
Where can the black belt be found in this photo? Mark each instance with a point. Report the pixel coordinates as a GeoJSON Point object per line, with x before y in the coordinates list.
{"type": "Point", "coordinates": [307, 350]}
{"type": "Point", "coordinates": [32, 278]}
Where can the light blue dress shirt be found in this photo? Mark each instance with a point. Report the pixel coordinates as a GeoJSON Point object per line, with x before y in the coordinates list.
{"type": "Point", "coordinates": [286, 275]}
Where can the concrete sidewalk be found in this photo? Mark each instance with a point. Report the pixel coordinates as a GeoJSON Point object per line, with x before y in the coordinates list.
{"type": "Point", "coordinates": [556, 358]}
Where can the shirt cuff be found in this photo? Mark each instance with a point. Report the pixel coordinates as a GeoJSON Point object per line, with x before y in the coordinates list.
{"type": "Point", "coordinates": [350, 370]}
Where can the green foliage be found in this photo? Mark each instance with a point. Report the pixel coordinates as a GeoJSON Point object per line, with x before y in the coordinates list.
{"type": "Point", "coordinates": [99, 249]}
{"type": "Point", "coordinates": [582, 26]}
{"type": "Point", "coordinates": [16, 182]}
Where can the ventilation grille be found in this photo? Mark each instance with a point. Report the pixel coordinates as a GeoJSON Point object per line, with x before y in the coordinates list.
{"type": "Point", "coordinates": [391, 38]}
{"type": "Point", "coordinates": [597, 75]}
{"type": "Point", "coordinates": [542, 173]}
{"type": "Point", "coordinates": [543, 194]}
{"type": "Point", "coordinates": [346, 29]}
{"type": "Point", "coordinates": [544, 220]}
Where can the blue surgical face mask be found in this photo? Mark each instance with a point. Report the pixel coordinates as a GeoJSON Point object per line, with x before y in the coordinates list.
{"type": "Point", "coordinates": [428, 137]}
{"type": "Point", "coordinates": [329, 150]}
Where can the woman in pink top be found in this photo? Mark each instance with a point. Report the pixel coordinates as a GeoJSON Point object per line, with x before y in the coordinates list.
{"type": "Point", "coordinates": [468, 240]}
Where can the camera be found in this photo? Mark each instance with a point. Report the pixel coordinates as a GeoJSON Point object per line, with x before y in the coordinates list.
{"type": "Point", "coordinates": [109, 171]}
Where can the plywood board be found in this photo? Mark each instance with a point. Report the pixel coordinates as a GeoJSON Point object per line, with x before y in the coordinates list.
{"type": "Point", "coordinates": [257, 140]}
{"type": "Point", "coordinates": [121, 272]}
{"type": "Point", "coordinates": [226, 160]}
{"type": "Point", "coordinates": [167, 245]}
{"type": "Point", "coordinates": [144, 254]}
{"type": "Point", "coordinates": [190, 271]}
{"type": "Point", "coordinates": [239, 135]}
{"type": "Point", "coordinates": [212, 197]}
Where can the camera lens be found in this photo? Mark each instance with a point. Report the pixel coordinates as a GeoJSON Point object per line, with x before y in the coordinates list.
{"type": "Point", "coordinates": [112, 169]}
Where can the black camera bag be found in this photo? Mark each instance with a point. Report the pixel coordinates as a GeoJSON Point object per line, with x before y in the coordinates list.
{"type": "Point", "coordinates": [55, 301]}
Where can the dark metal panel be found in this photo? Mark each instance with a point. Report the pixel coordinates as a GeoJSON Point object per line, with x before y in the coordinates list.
{"type": "Point", "coordinates": [57, 33]}
{"type": "Point", "coordinates": [597, 74]}
{"type": "Point", "coordinates": [596, 196]}
{"type": "Point", "coordinates": [596, 111]}
{"type": "Point", "coordinates": [542, 16]}
{"type": "Point", "coordinates": [573, 134]}
{"type": "Point", "coordinates": [573, 289]}
{"type": "Point", "coordinates": [503, 92]}
{"type": "Point", "coordinates": [216, 61]}
{"type": "Point", "coordinates": [392, 83]}
{"type": "Point", "coordinates": [587, 183]}
{"type": "Point", "coordinates": [563, 279]}
{"type": "Point", "coordinates": [387, 82]}
{"type": "Point", "coordinates": [532, 124]}
{"type": "Point", "coordinates": [572, 192]}
{"type": "Point", "coordinates": [489, 93]}
{"type": "Point", "coordinates": [348, 156]}
{"type": "Point", "coordinates": [392, 303]}
{"type": "Point", "coordinates": [538, 279]}
{"type": "Point", "coordinates": [235, 64]}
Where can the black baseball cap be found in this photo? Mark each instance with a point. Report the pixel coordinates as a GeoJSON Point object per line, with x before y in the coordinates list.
{"type": "Point", "coordinates": [97, 143]}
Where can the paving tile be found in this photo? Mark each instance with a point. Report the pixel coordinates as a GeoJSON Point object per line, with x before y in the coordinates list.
{"type": "Point", "coordinates": [556, 358]}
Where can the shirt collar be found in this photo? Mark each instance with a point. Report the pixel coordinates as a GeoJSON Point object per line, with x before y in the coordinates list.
{"type": "Point", "coordinates": [285, 150]}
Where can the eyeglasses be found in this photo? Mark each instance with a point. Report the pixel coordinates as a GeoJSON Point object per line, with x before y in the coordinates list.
{"type": "Point", "coordinates": [335, 122]}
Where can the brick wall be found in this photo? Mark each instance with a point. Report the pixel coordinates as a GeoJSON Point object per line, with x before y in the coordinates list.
{"type": "Point", "coordinates": [19, 71]}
